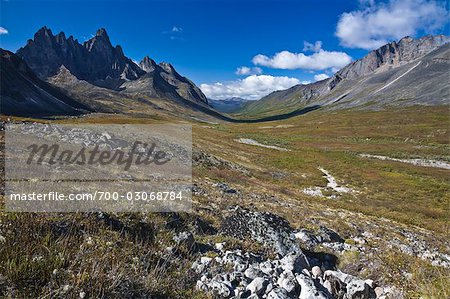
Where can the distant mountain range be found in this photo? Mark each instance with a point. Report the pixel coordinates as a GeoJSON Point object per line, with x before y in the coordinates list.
{"type": "Point", "coordinates": [230, 105]}
{"type": "Point", "coordinates": [407, 72]}
{"type": "Point", "coordinates": [55, 75]}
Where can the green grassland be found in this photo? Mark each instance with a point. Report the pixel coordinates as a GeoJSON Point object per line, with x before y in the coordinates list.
{"type": "Point", "coordinates": [404, 192]}
{"type": "Point", "coordinates": [92, 256]}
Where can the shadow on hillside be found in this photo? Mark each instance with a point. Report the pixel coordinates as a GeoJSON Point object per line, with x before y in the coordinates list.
{"type": "Point", "coordinates": [277, 117]}
{"type": "Point", "coordinates": [256, 120]}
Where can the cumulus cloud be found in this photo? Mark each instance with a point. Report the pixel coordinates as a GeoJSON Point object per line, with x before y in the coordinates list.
{"type": "Point", "coordinates": [319, 60]}
{"type": "Point", "coordinates": [376, 24]}
{"type": "Point", "coordinates": [3, 31]}
{"type": "Point", "coordinates": [320, 77]}
{"type": "Point", "coordinates": [244, 70]}
{"type": "Point", "coordinates": [252, 87]}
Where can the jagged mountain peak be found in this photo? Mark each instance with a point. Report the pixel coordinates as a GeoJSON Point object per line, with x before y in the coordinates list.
{"type": "Point", "coordinates": [42, 36]}
{"type": "Point", "coordinates": [167, 67]}
{"type": "Point", "coordinates": [147, 64]}
{"type": "Point", "coordinates": [101, 32]}
{"type": "Point", "coordinates": [95, 61]}
{"type": "Point", "coordinates": [60, 37]}
{"type": "Point", "coordinates": [44, 31]}
{"type": "Point", "coordinates": [99, 42]}
{"type": "Point", "coordinates": [98, 62]}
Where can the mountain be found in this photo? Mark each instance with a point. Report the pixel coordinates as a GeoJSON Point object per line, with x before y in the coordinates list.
{"type": "Point", "coordinates": [228, 105]}
{"type": "Point", "coordinates": [162, 80]}
{"type": "Point", "coordinates": [96, 62]}
{"type": "Point", "coordinates": [407, 72]}
{"type": "Point", "coordinates": [23, 93]}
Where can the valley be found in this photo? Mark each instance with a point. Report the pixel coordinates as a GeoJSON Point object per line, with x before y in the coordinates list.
{"type": "Point", "coordinates": [393, 224]}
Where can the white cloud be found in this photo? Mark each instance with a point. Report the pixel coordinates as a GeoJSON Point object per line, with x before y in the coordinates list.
{"type": "Point", "coordinates": [320, 77]}
{"type": "Point", "coordinates": [252, 87]}
{"type": "Point", "coordinates": [375, 24]}
{"type": "Point", "coordinates": [320, 60]}
{"type": "Point", "coordinates": [3, 31]}
{"type": "Point", "coordinates": [177, 29]}
{"type": "Point", "coordinates": [312, 47]}
{"type": "Point", "coordinates": [244, 70]}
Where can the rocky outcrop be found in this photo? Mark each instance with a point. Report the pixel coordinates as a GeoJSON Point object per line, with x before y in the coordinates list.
{"type": "Point", "coordinates": [262, 227]}
{"type": "Point", "coordinates": [235, 273]}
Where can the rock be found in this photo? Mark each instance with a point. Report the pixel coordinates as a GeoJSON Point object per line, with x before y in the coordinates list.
{"type": "Point", "coordinates": [258, 286]}
{"type": "Point", "coordinates": [307, 238]}
{"type": "Point", "coordinates": [198, 267]}
{"type": "Point", "coordinates": [355, 288]}
{"type": "Point", "coordinates": [369, 282]}
{"type": "Point", "coordinates": [288, 282]}
{"type": "Point", "coordinates": [267, 268]}
{"type": "Point", "coordinates": [379, 291]}
{"type": "Point", "coordinates": [220, 289]}
{"type": "Point", "coordinates": [327, 285]}
{"type": "Point", "coordinates": [278, 293]}
{"type": "Point", "coordinates": [308, 289]}
{"type": "Point", "coordinates": [252, 272]}
{"type": "Point", "coordinates": [329, 236]}
{"type": "Point", "coordinates": [263, 227]}
{"type": "Point", "coordinates": [294, 262]}
{"type": "Point", "coordinates": [184, 239]}
{"type": "Point", "coordinates": [226, 189]}
{"type": "Point", "coordinates": [219, 246]}
{"type": "Point", "coordinates": [205, 260]}
{"type": "Point", "coordinates": [316, 272]}
{"type": "Point", "coordinates": [206, 160]}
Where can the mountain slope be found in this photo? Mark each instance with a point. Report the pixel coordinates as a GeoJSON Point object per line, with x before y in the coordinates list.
{"type": "Point", "coordinates": [23, 93]}
{"type": "Point", "coordinates": [408, 72]}
{"type": "Point", "coordinates": [162, 80]}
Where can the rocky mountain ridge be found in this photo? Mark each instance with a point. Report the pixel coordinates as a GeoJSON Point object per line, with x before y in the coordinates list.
{"type": "Point", "coordinates": [97, 62]}
{"type": "Point", "coordinates": [391, 68]}
{"type": "Point", "coordinates": [391, 55]}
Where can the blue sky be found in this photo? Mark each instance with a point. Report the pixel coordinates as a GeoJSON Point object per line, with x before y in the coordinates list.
{"type": "Point", "coordinates": [207, 41]}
